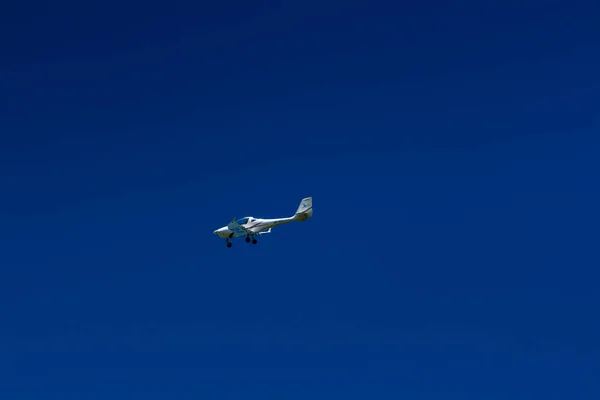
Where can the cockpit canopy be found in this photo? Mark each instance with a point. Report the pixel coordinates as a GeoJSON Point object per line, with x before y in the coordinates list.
{"type": "Point", "coordinates": [243, 221]}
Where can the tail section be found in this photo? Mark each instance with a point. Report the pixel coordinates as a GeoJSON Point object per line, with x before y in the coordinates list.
{"type": "Point", "coordinates": [305, 210]}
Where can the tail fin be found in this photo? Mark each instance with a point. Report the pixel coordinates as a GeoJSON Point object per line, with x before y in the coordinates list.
{"type": "Point", "coordinates": [305, 209]}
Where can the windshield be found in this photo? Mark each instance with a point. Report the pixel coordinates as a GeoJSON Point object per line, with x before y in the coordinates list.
{"type": "Point", "coordinates": [242, 221]}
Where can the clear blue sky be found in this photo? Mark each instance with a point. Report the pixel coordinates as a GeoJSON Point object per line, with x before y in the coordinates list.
{"type": "Point", "coordinates": [451, 151]}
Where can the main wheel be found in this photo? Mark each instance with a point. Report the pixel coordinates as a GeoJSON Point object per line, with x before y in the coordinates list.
{"type": "Point", "coordinates": [247, 239]}
{"type": "Point", "coordinates": [228, 244]}
{"type": "Point", "coordinates": [254, 241]}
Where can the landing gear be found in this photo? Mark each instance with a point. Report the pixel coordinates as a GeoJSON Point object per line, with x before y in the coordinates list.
{"type": "Point", "coordinates": [249, 238]}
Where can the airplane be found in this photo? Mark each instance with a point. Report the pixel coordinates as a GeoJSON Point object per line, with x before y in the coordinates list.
{"type": "Point", "coordinates": [252, 227]}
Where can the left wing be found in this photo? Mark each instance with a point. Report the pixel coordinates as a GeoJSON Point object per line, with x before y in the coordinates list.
{"type": "Point", "coordinates": [238, 229]}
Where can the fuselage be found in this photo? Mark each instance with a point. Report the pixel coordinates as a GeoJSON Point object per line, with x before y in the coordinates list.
{"type": "Point", "coordinates": [254, 225]}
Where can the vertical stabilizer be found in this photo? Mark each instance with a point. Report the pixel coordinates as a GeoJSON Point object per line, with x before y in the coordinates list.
{"type": "Point", "coordinates": [305, 210]}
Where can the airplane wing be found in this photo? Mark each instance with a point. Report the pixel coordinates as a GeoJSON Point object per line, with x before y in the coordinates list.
{"type": "Point", "coordinates": [238, 229]}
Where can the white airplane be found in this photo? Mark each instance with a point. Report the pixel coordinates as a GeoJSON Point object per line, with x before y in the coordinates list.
{"type": "Point", "coordinates": [251, 227]}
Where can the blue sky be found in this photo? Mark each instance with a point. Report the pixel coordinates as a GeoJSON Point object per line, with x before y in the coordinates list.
{"type": "Point", "coordinates": [451, 151]}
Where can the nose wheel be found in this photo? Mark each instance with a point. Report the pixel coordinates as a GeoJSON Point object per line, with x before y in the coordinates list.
{"type": "Point", "coordinates": [228, 243]}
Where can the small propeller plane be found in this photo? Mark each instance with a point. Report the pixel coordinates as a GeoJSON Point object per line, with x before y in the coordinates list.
{"type": "Point", "coordinates": [252, 227]}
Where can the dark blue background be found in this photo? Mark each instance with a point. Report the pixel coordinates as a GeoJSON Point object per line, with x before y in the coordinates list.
{"type": "Point", "coordinates": [452, 153]}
